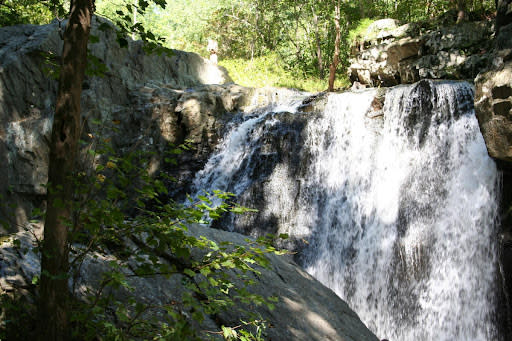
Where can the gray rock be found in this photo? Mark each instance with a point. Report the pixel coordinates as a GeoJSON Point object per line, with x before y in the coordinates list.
{"type": "Point", "coordinates": [306, 309]}
{"type": "Point", "coordinates": [153, 101]}
{"type": "Point", "coordinates": [503, 13]}
{"type": "Point", "coordinates": [406, 54]}
{"type": "Point", "coordinates": [493, 103]}
{"type": "Point", "coordinates": [132, 90]}
{"type": "Point", "coordinates": [493, 92]}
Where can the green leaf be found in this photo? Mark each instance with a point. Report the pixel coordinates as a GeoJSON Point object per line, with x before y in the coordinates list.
{"type": "Point", "coordinates": [284, 236]}
{"type": "Point", "coordinates": [189, 272]}
{"type": "Point", "coordinates": [122, 42]}
{"type": "Point", "coordinates": [205, 271]}
{"type": "Point", "coordinates": [93, 39]}
{"type": "Point", "coordinates": [228, 263]}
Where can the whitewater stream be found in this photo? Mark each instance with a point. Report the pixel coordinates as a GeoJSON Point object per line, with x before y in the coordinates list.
{"type": "Point", "coordinates": [392, 207]}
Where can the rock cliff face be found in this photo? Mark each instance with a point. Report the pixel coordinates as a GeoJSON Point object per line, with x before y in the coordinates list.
{"type": "Point", "coordinates": [390, 54]}
{"type": "Point", "coordinates": [493, 95]}
{"type": "Point", "coordinates": [155, 101]}
{"type": "Point", "coordinates": [493, 103]}
{"type": "Point", "coordinates": [150, 96]}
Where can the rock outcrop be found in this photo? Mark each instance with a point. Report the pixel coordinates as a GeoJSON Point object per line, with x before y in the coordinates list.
{"type": "Point", "coordinates": [503, 13]}
{"type": "Point", "coordinates": [493, 91]}
{"type": "Point", "coordinates": [306, 309]}
{"type": "Point", "coordinates": [390, 54]}
{"type": "Point", "coordinates": [493, 104]}
{"type": "Point", "coordinates": [144, 93]}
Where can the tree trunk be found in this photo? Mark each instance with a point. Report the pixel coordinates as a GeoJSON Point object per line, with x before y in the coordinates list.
{"type": "Point", "coordinates": [362, 12]}
{"type": "Point", "coordinates": [54, 293]}
{"type": "Point", "coordinates": [336, 57]}
{"type": "Point", "coordinates": [318, 46]}
{"type": "Point", "coordinates": [460, 6]}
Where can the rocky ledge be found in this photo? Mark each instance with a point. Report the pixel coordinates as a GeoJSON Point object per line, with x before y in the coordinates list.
{"type": "Point", "coordinates": [389, 54]}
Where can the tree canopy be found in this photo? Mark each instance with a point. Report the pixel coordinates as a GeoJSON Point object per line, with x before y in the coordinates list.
{"type": "Point", "coordinates": [298, 36]}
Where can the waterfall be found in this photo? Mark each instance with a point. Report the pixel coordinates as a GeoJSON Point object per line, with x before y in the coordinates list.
{"type": "Point", "coordinates": [394, 212]}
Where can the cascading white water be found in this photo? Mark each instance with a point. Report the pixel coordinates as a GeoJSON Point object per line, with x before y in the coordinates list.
{"type": "Point", "coordinates": [406, 232]}
{"type": "Point", "coordinates": [222, 171]}
{"type": "Point", "coordinates": [398, 212]}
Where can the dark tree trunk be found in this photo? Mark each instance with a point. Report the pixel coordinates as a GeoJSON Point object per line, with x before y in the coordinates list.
{"type": "Point", "coordinates": [336, 57]}
{"type": "Point", "coordinates": [54, 294]}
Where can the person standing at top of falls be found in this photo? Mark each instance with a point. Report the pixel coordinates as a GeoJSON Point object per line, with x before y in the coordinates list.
{"type": "Point", "coordinates": [213, 47]}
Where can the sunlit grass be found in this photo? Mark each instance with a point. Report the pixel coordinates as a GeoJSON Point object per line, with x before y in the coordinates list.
{"type": "Point", "coordinates": [360, 30]}
{"type": "Point", "coordinates": [268, 71]}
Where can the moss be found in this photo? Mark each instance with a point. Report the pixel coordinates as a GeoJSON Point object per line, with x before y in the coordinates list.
{"type": "Point", "coordinates": [360, 31]}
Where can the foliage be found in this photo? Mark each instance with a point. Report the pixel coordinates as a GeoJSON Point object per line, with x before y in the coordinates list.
{"type": "Point", "coordinates": [301, 33]}
{"type": "Point", "coordinates": [17, 317]}
{"type": "Point", "coordinates": [179, 22]}
{"type": "Point", "coordinates": [13, 12]}
{"type": "Point", "coordinates": [359, 30]}
{"type": "Point", "coordinates": [271, 71]}
{"type": "Point", "coordinates": [161, 246]}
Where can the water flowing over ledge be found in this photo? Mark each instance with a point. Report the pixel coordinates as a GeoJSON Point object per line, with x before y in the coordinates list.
{"type": "Point", "coordinates": [396, 213]}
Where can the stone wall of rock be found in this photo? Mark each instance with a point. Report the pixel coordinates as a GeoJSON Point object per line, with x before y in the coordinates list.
{"type": "Point", "coordinates": [390, 54]}
{"type": "Point", "coordinates": [153, 102]}
{"type": "Point", "coordinates": [493, 92]}
{"type": "Point", "coordinates": [503, 13]}
{"type": "Point", "coordinates": [143, 92]}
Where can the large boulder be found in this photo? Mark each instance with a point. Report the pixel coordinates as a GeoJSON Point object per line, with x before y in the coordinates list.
{"type": "Point", "coordinates": [306, 310]}
{"type": "Point", "coordinates": [493, 105]}
{"type": "Point", "coordinates": [493, 90]}
{"type": "Point", "coordinates": [389, 54]}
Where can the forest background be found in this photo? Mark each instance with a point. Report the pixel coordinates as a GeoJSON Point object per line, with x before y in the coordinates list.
{"type": "Point", "coordinates": [283, 43]}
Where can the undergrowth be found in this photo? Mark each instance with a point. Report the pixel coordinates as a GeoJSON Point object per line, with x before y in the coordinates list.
{"type": "Point", "coordinates": [270, 71]}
